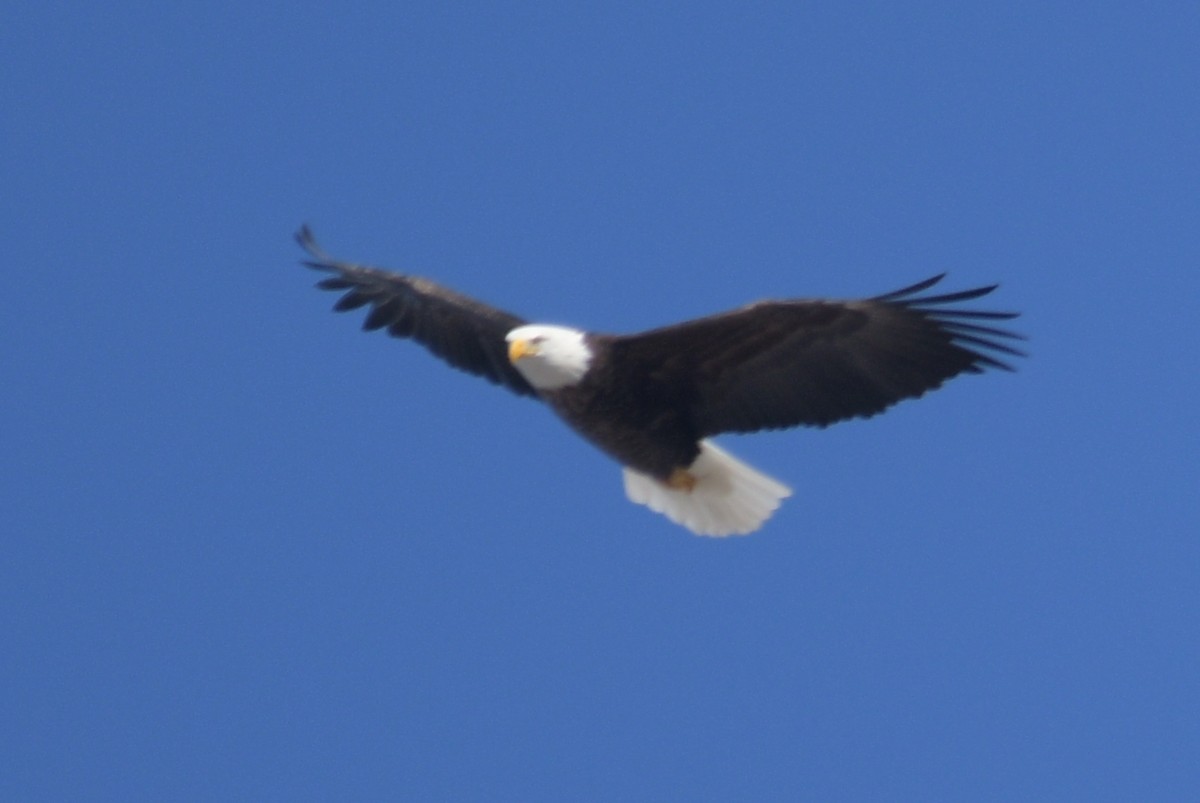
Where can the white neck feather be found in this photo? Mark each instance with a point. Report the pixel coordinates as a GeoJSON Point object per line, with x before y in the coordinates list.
{"type": "Point", "coordinates": [558, 356]}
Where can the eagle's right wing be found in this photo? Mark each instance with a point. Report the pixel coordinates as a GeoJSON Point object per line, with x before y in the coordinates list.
{"type": "Point", "coordinates": [466, 333]}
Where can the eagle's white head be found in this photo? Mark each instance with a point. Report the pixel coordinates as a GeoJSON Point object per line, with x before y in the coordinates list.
{"type": "Point", "coordinates": [550, 357]}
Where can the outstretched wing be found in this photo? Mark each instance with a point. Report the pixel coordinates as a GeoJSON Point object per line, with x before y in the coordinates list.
{"type": "Point", "coordinates": [466, 333]}
{"type": "Point", "coordinates": [779, 364]}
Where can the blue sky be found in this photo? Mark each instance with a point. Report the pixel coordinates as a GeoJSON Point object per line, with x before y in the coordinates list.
{"type": "Point", "coordinates": [253, 553]}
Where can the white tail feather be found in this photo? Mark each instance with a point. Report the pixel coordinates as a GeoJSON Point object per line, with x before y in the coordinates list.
{"type": "Point", "coordinates": [729, 498]}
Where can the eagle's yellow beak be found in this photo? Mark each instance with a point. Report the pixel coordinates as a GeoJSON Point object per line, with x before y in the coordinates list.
{"type": "Point", "coordinates": [520, 348]}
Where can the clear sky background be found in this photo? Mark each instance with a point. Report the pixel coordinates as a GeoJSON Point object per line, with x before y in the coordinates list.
{"type": "Point", "coordinates": [252, 553]}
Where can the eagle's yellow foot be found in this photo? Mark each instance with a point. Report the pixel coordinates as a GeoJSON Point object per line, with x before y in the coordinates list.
{"type": "Point", "coordinates": [681, 480]}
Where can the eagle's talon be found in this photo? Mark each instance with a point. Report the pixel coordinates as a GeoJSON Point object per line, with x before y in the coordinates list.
{"type": "Point", "coordinates": [681, 480]}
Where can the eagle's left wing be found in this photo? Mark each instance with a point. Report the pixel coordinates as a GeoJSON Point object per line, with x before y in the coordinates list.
{"type": "Point", "coordinates": [779, 364]}
{"type": "Point", "coordinates": [466, 333]}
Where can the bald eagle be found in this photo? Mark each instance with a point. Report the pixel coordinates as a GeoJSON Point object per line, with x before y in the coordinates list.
{"type": "Point", "coordinates": [653, 400]}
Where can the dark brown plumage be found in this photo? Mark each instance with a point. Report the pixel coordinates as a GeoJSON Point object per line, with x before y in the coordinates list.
{"type": "Point", "coordinates": [779, 364]}
{"type": "Point", "coordinates": [767, 365]}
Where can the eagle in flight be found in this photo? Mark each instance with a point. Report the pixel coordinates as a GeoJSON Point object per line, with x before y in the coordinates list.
{"type": "Point", "coordinates": [653, 400]}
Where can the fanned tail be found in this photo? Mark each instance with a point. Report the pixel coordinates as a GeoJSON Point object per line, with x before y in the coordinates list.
{"type": "Point", "coordinates": [729, 498]}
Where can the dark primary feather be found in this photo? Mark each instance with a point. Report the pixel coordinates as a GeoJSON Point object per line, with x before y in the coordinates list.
{"type": "Point", "coordinates": [466, 333]}
{"type": "Point", "coordinates": [780, 364]}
